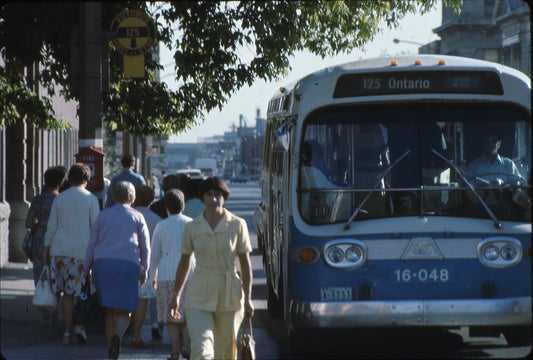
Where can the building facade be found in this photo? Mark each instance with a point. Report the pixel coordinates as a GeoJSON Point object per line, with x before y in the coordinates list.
{"type": "Point", "coordinates": [493, 30]}
{"type": "Point", "coordinates": [26, 153]}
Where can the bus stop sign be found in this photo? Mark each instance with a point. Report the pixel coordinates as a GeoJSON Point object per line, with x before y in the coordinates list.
{"type": "Point", "coordinates": [134, 36]}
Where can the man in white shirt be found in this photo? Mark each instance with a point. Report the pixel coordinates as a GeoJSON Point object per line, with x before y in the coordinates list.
{"type": "Point", "coordinates": [491, 168]}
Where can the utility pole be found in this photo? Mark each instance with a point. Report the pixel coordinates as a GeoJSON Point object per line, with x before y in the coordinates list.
{"type": "Point", "coordinates": [90, 145]}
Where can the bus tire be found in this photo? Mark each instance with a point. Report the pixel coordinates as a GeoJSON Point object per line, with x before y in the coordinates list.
{"type": "Point", "coordinates": [517, 335]}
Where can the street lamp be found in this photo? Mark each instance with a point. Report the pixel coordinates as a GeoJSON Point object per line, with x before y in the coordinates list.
{"type": "Point", "coordinates": [397, 41]}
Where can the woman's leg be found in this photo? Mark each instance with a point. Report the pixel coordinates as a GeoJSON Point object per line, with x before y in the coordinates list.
{"type": "Point", "coordinates": [68, 310]}
{"type": "Point", "coordinates": [174, 336]}
{"type": "Point", "coordinates": [109, 324]}
{"type": "Point", "coordinates": [116, 323]}
{"type": "Point", "coordinates": [138, 318]}
{"type": "Point", "coordinates": [200, 325]}
{"type": "Point", "coordinates": [226, 327]}
{"type": "Point", "coordinates": [122, 320]}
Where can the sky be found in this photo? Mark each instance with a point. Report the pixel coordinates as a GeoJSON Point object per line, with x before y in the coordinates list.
{"type": "Point", "coordinates": [412, 29]}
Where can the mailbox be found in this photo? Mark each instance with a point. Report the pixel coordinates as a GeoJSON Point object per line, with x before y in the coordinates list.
{"type": "Point", "coordinates": [94, 158]}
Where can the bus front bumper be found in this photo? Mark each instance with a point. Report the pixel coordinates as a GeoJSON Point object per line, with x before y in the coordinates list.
{"type": "Point", "coordinates": [447, 313]}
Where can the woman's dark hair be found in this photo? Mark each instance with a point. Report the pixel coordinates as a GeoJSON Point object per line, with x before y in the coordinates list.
{"type": "Point", "coordinates": [174, 201]}
{"type": "Point", "coordinates": [54, 176]}
{"type": "Point", "coordinates": [144, 195]}
{"type": "Point", "coordinates": [78, 174]}
{"type": "Point", "coordinates": [214, 183]}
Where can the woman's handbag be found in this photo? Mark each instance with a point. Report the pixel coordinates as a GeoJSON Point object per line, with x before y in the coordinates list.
{"type": "Point", "coordinates": [247, 347]}
{"type": "Point", "coordinates": [27, 244]}
{"type": "Point", "coordinates": [43, 296]}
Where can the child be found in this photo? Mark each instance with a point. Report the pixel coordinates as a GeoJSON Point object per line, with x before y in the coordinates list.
{"type": "Point", "coordinates": [166, 253]}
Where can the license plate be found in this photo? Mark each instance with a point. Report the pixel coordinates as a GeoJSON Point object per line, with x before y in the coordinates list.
{"type": "Point", "coordinates": [336, 293]}
{"type": "Point", "coordinates": [422, 275]}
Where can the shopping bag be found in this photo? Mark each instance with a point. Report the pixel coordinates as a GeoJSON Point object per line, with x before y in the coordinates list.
{"type": "Point", "coordinates": [27, 244]}
{"type": "Point", "coordinates": [43, 296]}
{"type": "Point", "coordinates": [247, 347]}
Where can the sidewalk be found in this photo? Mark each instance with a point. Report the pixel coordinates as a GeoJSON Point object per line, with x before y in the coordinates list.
{"type": "Point", "coordinates": [24, 337]}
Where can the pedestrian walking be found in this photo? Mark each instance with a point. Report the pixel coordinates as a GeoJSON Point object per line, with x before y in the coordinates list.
{"type": "Point", "coordinates": [72, 215]}
{"type": "Point", "coordinates": [37, 221]}
{"type": "Point", "coordinates": [166, 247]}
{"type": "Point", "coordinates": [118, 255]}
{"type": "Point", "coordinates": [216, 297]}
{"type": "Point", "coordinates": [144, 195]}
{"type": "Point", "coordinates": [127, 174]}
{"type": "Point", "coordinates": [170, 181]}
{"type": "Point", "coordinates": [193, 205]}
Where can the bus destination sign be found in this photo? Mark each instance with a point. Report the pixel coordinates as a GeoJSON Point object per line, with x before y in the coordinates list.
{"type": "Point", "coordinates": [419, 82]}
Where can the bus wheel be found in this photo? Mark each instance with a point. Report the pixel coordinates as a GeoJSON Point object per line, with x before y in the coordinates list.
{"type": "Point", "coordinates": [517, 335]}
{"type": "Point", "coordinates": [274, 304]}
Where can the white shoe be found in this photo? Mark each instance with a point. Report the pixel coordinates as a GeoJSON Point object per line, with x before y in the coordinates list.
{"type": "Point", "coordinates": [79, 331]}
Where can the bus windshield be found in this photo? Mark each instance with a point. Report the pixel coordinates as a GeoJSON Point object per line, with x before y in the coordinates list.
{"type": "Point", "coordinates": [348, 160]}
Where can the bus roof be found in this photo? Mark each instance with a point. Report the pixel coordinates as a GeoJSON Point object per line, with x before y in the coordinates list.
{"type": "Point", "coordinates": [404, 63]}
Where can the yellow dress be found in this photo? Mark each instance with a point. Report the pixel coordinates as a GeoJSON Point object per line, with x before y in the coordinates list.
{"type": "Point", "coordinates": [214, 297]}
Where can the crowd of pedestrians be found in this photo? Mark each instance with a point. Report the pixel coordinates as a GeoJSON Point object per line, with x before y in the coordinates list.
{"type": "Point", "coordinates": [174, 256]}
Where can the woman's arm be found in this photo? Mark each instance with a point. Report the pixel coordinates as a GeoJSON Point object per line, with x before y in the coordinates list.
{"type": "Point", "coordinates": [247, 279]}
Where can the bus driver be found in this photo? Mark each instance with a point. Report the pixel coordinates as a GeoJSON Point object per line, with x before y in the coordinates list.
{"type": "Point", "coordinates": [491, 167]}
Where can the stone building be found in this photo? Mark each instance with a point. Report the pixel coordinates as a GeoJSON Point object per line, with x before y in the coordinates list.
{"type": "Point", "coordinates": [493, 30]}
{"type": "Point", "coordinates": [26, 153]}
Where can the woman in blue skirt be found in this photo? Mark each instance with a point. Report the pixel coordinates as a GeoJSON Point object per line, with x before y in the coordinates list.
{"type": "Point", "coordinates": [118, 255]}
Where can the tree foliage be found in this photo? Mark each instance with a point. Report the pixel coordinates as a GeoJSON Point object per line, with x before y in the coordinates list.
{"type": "Point", "coordinates": [219, 48]}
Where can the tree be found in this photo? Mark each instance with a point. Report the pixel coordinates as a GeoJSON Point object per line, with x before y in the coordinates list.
{"type": "Point", "coordinates": [210, 39]}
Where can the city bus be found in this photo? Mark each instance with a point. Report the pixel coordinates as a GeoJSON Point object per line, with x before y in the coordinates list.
{"type": "Point", "coordinates": [396, 193]}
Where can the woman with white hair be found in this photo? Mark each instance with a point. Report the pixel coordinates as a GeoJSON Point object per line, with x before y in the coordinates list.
{"type": "Point", "coordinates": [119, 256]}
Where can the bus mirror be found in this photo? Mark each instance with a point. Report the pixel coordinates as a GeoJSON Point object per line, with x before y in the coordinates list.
{"type": "Point", "coordinates": [280, 142]}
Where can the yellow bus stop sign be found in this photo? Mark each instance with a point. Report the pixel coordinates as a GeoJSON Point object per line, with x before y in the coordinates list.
{"type": "Point", "coordinates": [135, 35]}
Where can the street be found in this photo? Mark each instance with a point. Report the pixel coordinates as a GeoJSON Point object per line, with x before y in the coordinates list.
{"type": "Point", "coordinates": [22, 336]}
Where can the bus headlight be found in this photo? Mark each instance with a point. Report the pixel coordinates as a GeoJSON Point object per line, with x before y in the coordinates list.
{"type": "Point", "coordinates": [345, 253]}
{"type": "Point", "coordinates": [499, 251]}
{"type": "Point", "coordinates": [335, 255]}
{"type": "Point", "coordinates": [491, 252]}
{"type": "Point", "coordinates": [353, 254]}
{"type": "Point", "coordinates": [508, 252]}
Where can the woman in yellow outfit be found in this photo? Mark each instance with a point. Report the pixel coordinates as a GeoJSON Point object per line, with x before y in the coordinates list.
{"type": "Point", "coordinates": [216, 297]}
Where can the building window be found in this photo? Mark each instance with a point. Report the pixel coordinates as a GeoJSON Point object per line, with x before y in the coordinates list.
{"type": "Point", "coordinates": [511, 56]}
{"type": "Point", "coordinates": [491, 55]}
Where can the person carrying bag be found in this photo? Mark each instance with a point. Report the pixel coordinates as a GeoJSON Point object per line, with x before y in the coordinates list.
{"type": "Point", "coordinates": [247, 347]}
{"type": "Point", "coordinates": [43, 296]}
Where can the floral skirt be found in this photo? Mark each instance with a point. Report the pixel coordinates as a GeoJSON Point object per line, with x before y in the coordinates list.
{"type": "Point", "coordinates": [165, 295]}
{"type": "Point", "coordinates": [66, 274]}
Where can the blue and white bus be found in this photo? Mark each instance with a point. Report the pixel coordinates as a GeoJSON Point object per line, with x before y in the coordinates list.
{"type": "Point", "coordinates": [396, 193]}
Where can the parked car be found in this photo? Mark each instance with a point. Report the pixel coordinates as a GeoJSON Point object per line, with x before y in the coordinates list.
{"type": "Point", "coordinates": [193, 173]}
{"type": "Point", "coordinates": [238, 179]}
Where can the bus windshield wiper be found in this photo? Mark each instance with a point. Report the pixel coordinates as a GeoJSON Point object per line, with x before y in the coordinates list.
{"type": "Point", "coordinates": [378, 182]}
{"type": "Point", "coordinates": [497, 224]}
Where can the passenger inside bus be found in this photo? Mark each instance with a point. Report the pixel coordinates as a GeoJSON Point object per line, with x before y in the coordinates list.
{"type": "Point", "coordinates": [311, 174]}
{"type": "Point", "coordinates": [371, 155]}
{"type": "Point", "coordinates": [491, 168]}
